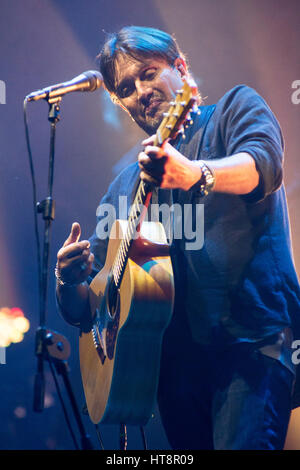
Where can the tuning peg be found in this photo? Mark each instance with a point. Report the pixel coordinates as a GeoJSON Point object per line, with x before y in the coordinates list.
{"type": "Point", "coordinates": [181, 131]}
{"type": "Point", "coordinates": [189, 120]}
{"type": "Point", "coordinates": [196, 110]}
{"type": "Point", "coordinates": [188, 123]}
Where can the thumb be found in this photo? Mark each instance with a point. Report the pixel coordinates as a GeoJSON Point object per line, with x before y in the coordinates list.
{"type": "Point", "coordinates": [74, 234]}
{"type": "Point", "coordinates": [149, 140]}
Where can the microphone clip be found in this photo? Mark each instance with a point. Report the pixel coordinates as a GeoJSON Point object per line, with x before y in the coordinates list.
{"type": "Point", "coordinates": [54, 99]}
{"type": "Point", "coordinates": [54, 108]}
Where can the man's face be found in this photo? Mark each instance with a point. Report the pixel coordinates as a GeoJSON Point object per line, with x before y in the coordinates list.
{"type": "Point", "coordinates": [145, 88]}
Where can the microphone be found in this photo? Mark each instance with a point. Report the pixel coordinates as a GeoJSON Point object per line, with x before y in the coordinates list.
{"type": "Point", "coordinates": [90, 80]}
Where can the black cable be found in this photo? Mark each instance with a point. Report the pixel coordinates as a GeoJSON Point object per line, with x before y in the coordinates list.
{"type": "Point", "coordinates": [143, 437]}
{"type": "Point", "coordinates": [63, 404]}
{"type": "Point", "coordinates": [99, 436]}
{"type": "Point", "coordinates": [37, 237]}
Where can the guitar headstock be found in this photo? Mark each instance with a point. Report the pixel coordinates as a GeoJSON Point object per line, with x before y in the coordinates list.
{"type": "Point", "coordinates": [179, 112]}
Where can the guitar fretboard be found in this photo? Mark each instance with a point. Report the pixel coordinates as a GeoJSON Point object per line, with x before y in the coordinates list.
{"type": "Point", "coordinates": [139, 205]}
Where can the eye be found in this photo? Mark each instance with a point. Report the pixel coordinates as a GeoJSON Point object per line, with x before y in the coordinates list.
{"type": "Point", "coordinates": [125, 91]}
{"type": "Point", "coordinates": [149, 74]}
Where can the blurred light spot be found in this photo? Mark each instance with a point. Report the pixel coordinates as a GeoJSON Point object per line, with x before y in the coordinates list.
{"type": "Point", "coordinates": [20, 412]}
{"type": "Point", "coordinates": [110, 110]}
{"type": "Point", "coordinates": [51, 443]}
{"type": "Point", "coordinates": [21, 324]}
{"type": "Point", "coordinates": [49, 400]}
{"type": "Point", "coordinates": [13, 325]}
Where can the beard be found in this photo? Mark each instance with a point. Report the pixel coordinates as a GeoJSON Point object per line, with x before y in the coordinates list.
{"type": "Point", "coordinates": [150, 125]}
{"type": "Point", "coordinates": [152, 117]}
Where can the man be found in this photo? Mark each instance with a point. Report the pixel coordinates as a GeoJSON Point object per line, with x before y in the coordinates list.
{"type": "Point", "coordinates": [226, 372]}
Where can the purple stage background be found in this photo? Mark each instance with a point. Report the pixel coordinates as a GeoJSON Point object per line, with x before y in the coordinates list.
{"type": "Point", "coordinates": [43, 42]}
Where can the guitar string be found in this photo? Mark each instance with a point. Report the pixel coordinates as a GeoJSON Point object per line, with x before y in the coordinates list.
{"type": "Point", "coordinates": [122, 254]}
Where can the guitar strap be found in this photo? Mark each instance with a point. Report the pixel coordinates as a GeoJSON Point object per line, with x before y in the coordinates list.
{"type": "Point", "coordinates": [191, 145]}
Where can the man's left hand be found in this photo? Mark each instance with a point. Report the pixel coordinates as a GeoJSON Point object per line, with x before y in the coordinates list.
{"type": "Point", "coordinates": [166, 167]}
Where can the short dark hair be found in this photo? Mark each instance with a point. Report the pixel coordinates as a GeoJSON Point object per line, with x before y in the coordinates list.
{"type": "Point", "coordinates": [138, 42]}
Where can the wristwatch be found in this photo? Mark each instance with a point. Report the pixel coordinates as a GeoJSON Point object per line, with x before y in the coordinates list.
{"type": "Point", "coordinates": [207, 181]}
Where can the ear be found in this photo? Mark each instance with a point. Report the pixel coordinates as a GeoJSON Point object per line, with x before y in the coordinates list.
{"type": "Point", "coordinates": [125, 109]}
{"type": "Point", "coordinates": [181, 66]}
{"type": "Point", "coordinates": [117, 101]}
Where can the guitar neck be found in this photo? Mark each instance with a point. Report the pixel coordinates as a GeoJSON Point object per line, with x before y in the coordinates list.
{"type": "Point", "coordinates": [136, 216]}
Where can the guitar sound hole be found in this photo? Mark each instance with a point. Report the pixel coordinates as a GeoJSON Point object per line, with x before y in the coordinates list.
{"type": "Point", "coordinates": [112, 298]}
{"type": "Point", "coordinates": [113, 310]}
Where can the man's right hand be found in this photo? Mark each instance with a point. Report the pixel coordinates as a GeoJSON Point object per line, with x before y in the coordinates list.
{"type": "Point", "coordinates": [74, 259]}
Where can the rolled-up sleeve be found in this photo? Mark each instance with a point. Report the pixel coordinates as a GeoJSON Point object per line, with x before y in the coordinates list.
{"type": "Point", "coordinates": [249, 125]}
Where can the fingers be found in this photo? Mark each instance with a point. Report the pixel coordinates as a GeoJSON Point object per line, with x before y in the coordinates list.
{"type": "Point", "coordinates": [154, 152]}
{"type": "Point", "coordinates": [74, 234]}
{"type": "Point", "coordinates": [86, 268]}
{"type": "Point", "coordinates": [164, 166]}
{"type": "Point", "coordinates": [149, 141]}
{"type": "Point", "coordinates": [73, 249]}
{"type": "Point", "coordinates": [73, 254]}
{"type": "Point", "coordinates": [76, 269]}
{"type": "Point", "coordinates": [151, 179]}
{"type": "Point", "coordinates": [145, 161]}
{"type": "Point", "coordinates": [79, 268]}
{"type": "Point", "coordinates": [152, 162]}
{"type": "Point", "coordinates": [74, 259]}
{"type": "Point", "coordinates": [151, 170]}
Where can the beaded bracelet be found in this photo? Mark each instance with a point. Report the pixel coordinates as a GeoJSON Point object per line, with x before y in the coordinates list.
{"type": "Point", "coordinates": [61, 282]}
{"type": "Point", "coordinates": [206, 182]}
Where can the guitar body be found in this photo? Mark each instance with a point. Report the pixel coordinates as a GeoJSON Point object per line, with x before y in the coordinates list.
{"type": "Point", "coordinates": [120, 354]}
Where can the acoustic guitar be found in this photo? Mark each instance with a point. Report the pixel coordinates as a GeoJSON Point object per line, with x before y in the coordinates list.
{"type": "Point", "coordinates": [131, 301]}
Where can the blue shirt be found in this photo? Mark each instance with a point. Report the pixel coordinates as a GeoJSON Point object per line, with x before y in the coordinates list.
{"type": "Point", "coordinates": [242, 284]}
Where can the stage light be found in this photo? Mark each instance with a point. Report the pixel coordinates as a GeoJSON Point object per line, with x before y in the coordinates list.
{"type": "Point", "coordinates": [13, 326]}
{"type": "Point", "coordinates": [21, 324]}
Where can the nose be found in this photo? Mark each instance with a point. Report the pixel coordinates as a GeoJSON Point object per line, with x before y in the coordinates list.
{"type": "Point", "coordinates": [144, 91]}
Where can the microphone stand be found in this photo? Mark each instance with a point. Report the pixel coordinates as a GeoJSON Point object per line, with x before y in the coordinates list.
{"type": "Point", "coordinates": [49, 345]}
